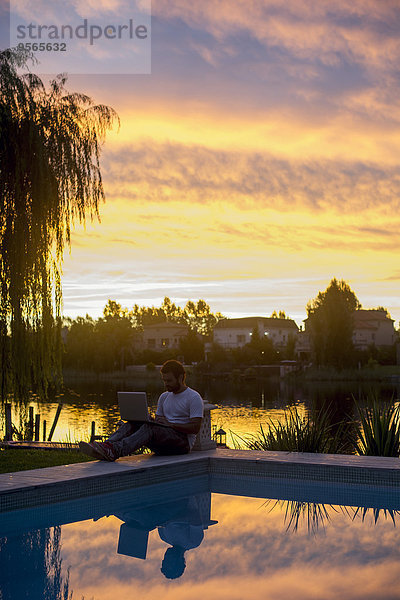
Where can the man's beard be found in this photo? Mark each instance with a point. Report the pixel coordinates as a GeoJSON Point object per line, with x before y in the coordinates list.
{"type": "Point", "coordinates": [174, 388]}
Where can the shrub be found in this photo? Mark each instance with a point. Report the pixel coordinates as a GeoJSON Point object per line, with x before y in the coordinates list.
{"type": "Point", "coordinates": [150, 366]}
{"type": "Point", "coordinates": [296, 433]}
{"type": "Point", "coordinates": [378, 433]}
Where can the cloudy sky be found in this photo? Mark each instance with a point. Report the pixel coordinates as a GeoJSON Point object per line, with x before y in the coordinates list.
{"type": "Point", "coordinates": [259, 159]}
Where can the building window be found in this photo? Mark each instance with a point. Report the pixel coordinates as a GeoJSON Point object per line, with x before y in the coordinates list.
{"type": "Point", "coordinates": [151, 343]}
{"type": "Point", "coordinates": [241, 338]}
{"type": "Point", "coordinates": [165, 342]}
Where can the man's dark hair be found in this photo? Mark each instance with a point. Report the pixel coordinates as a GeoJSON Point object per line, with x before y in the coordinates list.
{"type": "Point", "coordinates": [174, 367]}
{"type": "Point", "coordinates": [173, 563]}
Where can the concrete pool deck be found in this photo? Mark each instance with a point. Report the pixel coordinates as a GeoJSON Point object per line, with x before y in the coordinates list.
{"type": "Point", "coordinates": [26, 489]}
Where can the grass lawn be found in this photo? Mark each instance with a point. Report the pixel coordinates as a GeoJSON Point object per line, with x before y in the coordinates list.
{"type": "Point", "coordinates": [17, 459]}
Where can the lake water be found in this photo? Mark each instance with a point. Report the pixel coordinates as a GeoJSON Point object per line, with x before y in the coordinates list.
{"type": "Point", "coordinates": [180, 545]}
{"type": "Point", "coordinates": [241, 407]}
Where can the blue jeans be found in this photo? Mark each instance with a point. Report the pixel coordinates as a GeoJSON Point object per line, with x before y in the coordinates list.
{"type": "Point", "coordinates": [131, 436]}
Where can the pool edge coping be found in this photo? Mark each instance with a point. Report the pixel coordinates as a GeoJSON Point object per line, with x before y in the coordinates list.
{"type": "Point", "coordinates": [52, 484]}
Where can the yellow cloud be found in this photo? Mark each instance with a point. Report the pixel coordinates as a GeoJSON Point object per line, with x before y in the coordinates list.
{"type": "Point", "coordinates": [347, 136]}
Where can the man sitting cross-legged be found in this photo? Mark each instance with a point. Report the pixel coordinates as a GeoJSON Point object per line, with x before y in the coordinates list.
{"type": "Point", "coordinates": [179, 408]}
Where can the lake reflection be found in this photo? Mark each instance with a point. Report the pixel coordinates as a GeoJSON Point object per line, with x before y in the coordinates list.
{"type": "Point", "coordinates": [194, 545]}
{"type": "Point", "coordinates": [241, 406]}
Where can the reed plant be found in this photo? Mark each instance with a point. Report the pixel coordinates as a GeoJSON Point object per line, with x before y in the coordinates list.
{"type": "Point", "coordinates": [313, 516]}
{"type": "Point", "coordinates": [296, 433]}
{"type": "Point", "coordinates": [376, 513]}
{"type": "Point", "coordinates": [299, 514]}
{"type": "Point", "coordinates": [378, 431]}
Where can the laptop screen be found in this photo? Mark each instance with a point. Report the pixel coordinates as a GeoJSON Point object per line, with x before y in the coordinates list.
{"type": "Point", "coordinates": [133, 406]}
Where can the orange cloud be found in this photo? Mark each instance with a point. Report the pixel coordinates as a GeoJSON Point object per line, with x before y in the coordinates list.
{"type": "Point", "coordinates": [163, 172]}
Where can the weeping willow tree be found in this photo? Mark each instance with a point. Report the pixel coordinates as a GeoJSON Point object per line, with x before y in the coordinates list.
{"type": "Point", "coordinates": [50, 178]}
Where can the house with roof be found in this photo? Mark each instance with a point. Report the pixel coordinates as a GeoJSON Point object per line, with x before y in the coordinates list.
{"type": "Point", "coordinates": [160, 336]}
{"type": "Point", "coordinates": [373, 327]}
{"type": "Point", "coordinates": [235, 333]}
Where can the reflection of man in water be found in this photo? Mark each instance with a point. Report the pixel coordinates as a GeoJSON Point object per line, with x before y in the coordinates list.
{"type": "Point", "coordinates": [182, 536]}
{"type": "Point", "coordinates": [178, 523]}
{"type": "Point", "coordinates": [173, 563]}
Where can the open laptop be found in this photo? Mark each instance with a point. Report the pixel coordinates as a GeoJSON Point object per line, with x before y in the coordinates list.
{"type": "Point", "coordinates": [132, 541]}
{"type": "Point", "coordinates": [133, 407]}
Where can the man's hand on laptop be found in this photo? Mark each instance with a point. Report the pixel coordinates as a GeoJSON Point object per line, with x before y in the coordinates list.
{"type": "Point", "coordinates": [193, 426]}
{"type": "Point", "coordinates": [162, 420]}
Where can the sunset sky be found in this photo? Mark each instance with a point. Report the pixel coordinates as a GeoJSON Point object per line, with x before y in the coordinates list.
{"type": "Point", "coordinates": [257, 161]}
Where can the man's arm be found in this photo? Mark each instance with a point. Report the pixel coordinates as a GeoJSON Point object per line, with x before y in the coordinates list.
{"type": "Point", "coordinates": [193, 426]}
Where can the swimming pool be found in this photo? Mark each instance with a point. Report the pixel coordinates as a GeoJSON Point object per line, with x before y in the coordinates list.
{"type": "Point", "coordinates": [207, 537]}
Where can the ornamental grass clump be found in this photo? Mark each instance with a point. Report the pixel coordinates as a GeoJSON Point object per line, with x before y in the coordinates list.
{"type": "Point", "coordinates": [314, 433]}
{"type": "Point", "coordinates": [299, 514]}
{"type": "Point", "coordinates": [378, 433]}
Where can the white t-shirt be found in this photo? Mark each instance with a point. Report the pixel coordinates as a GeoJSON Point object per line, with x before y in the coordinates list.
{"type": "Point", "coordinates": [181, 534]}
{"type": "Point", "coordinates": [179, 408]}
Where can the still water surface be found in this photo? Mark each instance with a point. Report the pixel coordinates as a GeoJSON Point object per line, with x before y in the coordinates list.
{"type": "Point", "coordinates": [241, 407]}
{"type": "Point", "coordinates": [195, 544]}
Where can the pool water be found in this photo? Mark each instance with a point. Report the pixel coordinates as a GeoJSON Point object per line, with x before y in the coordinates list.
{"type": "Point", "coordinates": [186, 542]}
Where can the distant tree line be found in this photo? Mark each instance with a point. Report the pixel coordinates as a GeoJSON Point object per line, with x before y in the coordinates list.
{"type": "Point", "coordinates": [330, 328]}
{"type": "Point", "coordinates": [113, 341]}
{"type": "Point", "coordinates": [108, 343]}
